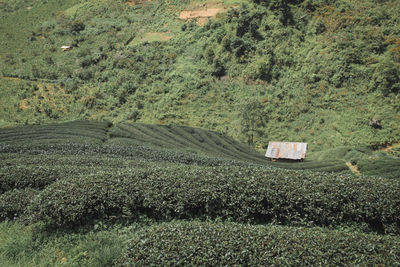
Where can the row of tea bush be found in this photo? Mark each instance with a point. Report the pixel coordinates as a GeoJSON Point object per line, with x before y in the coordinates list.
{"type": "Point", "coordinates": [245, 194]}
{"type": "Point", "coordinates": [197, 243]}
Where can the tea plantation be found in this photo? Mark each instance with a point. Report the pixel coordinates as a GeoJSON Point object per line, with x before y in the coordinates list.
{"type": "Point", "coordinates": [91, 193]}
{"type": "Point", "coordinates": [97, 169]}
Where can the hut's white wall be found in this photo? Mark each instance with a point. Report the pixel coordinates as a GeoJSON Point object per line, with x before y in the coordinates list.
{"type": "Point", "coordinates": [286, 150]}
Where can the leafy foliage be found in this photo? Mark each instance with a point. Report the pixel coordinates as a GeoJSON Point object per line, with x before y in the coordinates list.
{"type": "Point", "coordinates": [385, 166]}
{"type": "Point", "coordinates": [315, 71]}
{"type": "Point", "coordinates": [211, 243]}
{"type": "Point", "coordinates": [13, 203]}
{"type": "Point", "coordinates": [183, 173]}
{"type": "Point", "coordinates": [320, 69]}
{"type": "Point", "coordinates": [188, 192]}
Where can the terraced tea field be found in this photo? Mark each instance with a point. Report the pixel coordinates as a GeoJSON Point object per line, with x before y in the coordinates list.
{"type": "Point", "coordinates": [181, 195]}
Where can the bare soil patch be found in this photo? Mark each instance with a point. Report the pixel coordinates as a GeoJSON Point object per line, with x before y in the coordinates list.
{"type": "Point", "coordinates": [389, 147]}
{"type": "Point", "coordinates": [353, 168]}
{"type": "Point", "coordinates": [205, 13]}
{"type": "Point", "coordinates": [135, 2]}
{"type": "Point", "coordinates": [202, 13]}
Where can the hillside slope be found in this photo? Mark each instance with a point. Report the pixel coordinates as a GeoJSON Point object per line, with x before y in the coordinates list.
{"type": "Point", "coordinates": [151, 142]}
{"type": "Point", "coordinates": [315, 71]}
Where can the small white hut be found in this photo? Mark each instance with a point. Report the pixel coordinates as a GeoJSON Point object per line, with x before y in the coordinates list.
{"type": "Point", "coordinates": [286, 150]}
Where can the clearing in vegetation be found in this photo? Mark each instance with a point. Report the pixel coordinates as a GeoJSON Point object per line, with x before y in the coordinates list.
{"type": "Point", "coordinates": [202, 12]}
{"type": "Point", "coordinates": [353, 168]}
{"type": "Point", "coordinates": [151, 37]}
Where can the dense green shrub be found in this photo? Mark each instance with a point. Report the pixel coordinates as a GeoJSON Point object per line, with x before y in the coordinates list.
{"type": "Point", "coordinates": [13, 203]}
{"type": "Point", "coordinates": [76, 131]}
{"type": "Point", "coordinates": [383, 167]}
{"type": "Point", "coordinates": [70, 164]}
{"type": "Point", "coordinates": [68, 130]}
{"type": "Point", "coordinates": [43, 174]}
{"type": "Point", "coordinates": [305, 61]}
{"type": "Point", "coordinates": [247, 194]}
{"type": "Point", "coordinates": [84, 199]}
{"type": "Point", "coordinates": [129, 152]}
{"type": "Point", "coordinates": [230, 244]}
{"type": "Point", "coordinates": [18, 177]}
{"type": "Point", "coordinates": [386, 76]}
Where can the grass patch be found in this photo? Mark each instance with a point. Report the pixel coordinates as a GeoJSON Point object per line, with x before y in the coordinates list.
{"type": "Point", "coordinates": [149, 37]}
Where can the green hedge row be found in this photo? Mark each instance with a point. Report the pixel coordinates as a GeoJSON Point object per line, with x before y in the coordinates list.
{"type": "Point", "coordinates": [151, 154]}
{"type": "Point", "coordinates": [211, 143]}
{"type": "Point", "coordinates": [80, 131]}
{"type": "Point", "coordinates": [196, 243]}
{"type": "Point", "coordinates": [13, 203]}
{"type": "Point", "coordinates": [383, 167]}
{"type": "Point", "coordinates": [246, 194]}
{"type": "Point", "coordinates": [117, 151]}
{"type": "Point", "coordinates": [326, 166]}
{"type": "Point", "coordinates": [19, 177]}
{"type": "Point", "coordinates": [183, 138]}
{"type": "Point", "coordinates": [67, 161]}
{"type": "Point", "coordinates": [87, 126]}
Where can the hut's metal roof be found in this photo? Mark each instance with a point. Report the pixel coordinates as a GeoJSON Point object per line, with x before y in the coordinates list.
{"type": "Point", "coordinates": [286, 150]}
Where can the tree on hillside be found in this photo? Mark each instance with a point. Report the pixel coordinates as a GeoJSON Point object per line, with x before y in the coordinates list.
{"type": "Point", "coordinates": [252, 119]}
{"type": "Point", "coordinates": [386, 77]}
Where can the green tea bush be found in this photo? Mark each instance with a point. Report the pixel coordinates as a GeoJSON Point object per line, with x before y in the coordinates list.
{"type": "Point", "coordinates": [384, 167]}
{"type": "Point", "coordinates": [117, 151]}
{"type": "Point", "coordinates": [19, 177]}
{"type": "Point", "coordinates": [206, 142]}
{"type": "Point", "coordinates": [184, 138]}
{"type": "Point", "coordinates": [81, 200]}
{"type": "Point", "coordinates": [79, 131]}
{"type": "Point", "coordinates": [13, 203]}
{"type": "Point", "coordinates": [230, 244]}
{"type": "Point", "coordinates": [67, 163]}
{"type": "Point", "coordinates": [248, 194]}
{"type": "Point", "coordinates": [323, 166]}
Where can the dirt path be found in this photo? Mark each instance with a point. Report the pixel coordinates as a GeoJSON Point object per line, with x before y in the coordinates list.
{"type": "Point", "coordinates": [353, 168]}
{"type": "Point", "coordinates": [389, 147]}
